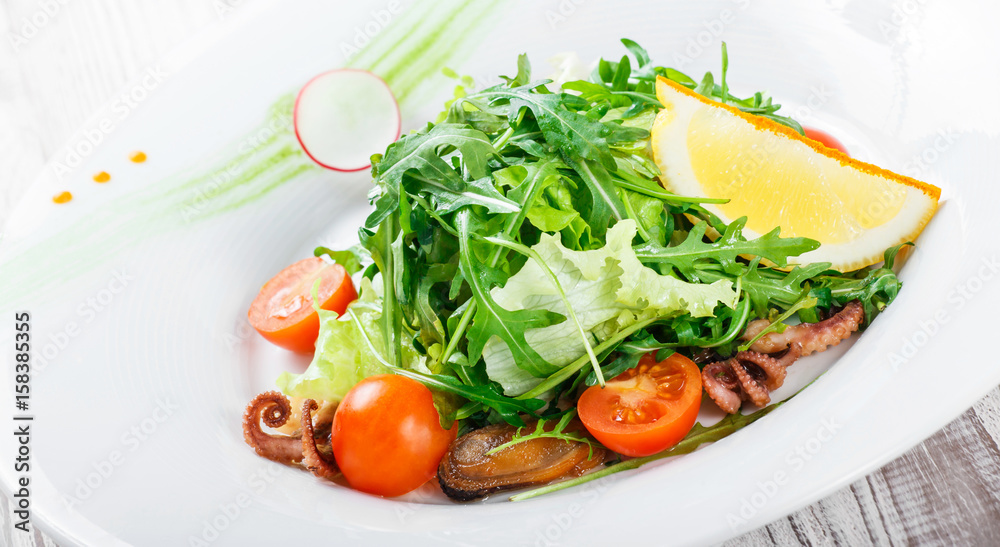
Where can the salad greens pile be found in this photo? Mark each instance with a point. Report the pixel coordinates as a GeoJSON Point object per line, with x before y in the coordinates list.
{"type": "Point", "coordinates": [522, 247]}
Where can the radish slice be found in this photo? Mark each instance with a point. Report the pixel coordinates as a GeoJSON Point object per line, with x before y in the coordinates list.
{"type": "Point", "coordinates": [344, 116]}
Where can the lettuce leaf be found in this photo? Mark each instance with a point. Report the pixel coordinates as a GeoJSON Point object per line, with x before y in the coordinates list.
{"type": "Point", "coordinates": [343, 356]}
{"type": "Point", "coordinates": [608, 288]}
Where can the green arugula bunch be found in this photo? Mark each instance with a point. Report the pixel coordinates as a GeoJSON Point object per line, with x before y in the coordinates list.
{"type": "Point", "coordinates": [461, 207]}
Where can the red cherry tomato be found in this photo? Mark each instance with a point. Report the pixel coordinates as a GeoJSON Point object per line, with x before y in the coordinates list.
{"type": "Point", "coordinates": [646, 409]}
{"type": "Point", "coordinates": [825, 139]}
{"type": "Point", "coordinates": [283, 312]}
{"type": "Point", "coordinates": [387, 437]}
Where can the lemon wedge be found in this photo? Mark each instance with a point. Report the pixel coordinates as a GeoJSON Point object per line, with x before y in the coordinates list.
{"type": "Point", "coordinates": [776, 177]}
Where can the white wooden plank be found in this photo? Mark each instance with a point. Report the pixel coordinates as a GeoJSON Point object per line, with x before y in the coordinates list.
{"type": "Point", "coordinates": [988, 411]}
{"type": "Point", "coordinates": [943, 492]}
{"type": "Point", "coordinates": [871, 518]}
{"type": "Point", "coordinates": [842, 513]}
{"type": "Point", "coordinates": [6, 525]}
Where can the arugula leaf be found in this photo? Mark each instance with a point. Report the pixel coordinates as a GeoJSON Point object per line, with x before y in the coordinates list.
{"type": "Point", "coordinates": [549, 219]}
{"type": "Point", "coordinates": [694, 251]}
{"type": "Point", "coordinates": [536, 178]}
{"type": "Point", "coordinates": [493, 320]}
{"type": "Point", "coordinates": [487, 394]}
{"type": "Point", "coordinates": [649, 214]}
{"type": "Point", "coordinates": [424, 153]}
{"type": "Point", "coordinates": [606, 203]}
{"type": "Point", "coordinates": [707, 85]}
{"type": "Point", "coordinates": [540, 431]}
{"type": "Point", "coordinates": [723, 88]}
{"type": "Point", "coordinates": [769, 288]}
{"type": "Point", "coordinates": [449, 197]}
{"type": "Point", "coordinates": [523, 72]}
{"type": "Point", "coordinates": [350, 259]}
{"type": "Point", "coordinates": [427, 306]}
{"type": "Point", "coordinates": [619, 82]}
{"type": "Point", "coordinates": [554, 211]}
{"type": "Point", "coordinates": [641, 56]}
{"type": "Point", "coordinates": [572, 133]}
{"type": "Point", "coordinates": [595, 93]}
{"type": "Point", "coordinates": [875, 287]}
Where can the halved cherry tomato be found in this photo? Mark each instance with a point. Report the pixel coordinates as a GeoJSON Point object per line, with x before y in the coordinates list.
{"type": "Point", "coordinates": [825, 139]}
{"type": "Point", "coordinates": [283, 312]}
{"type": "Point", "coordinates": [646, 409]}
{"type": "Point", "coordinates": [387, 437]}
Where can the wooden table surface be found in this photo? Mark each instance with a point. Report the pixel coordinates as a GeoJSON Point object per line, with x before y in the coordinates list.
{"type": "Point", "coordinates": [946, 491]}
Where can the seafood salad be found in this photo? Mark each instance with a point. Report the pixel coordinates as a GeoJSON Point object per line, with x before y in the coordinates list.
{"type": "Point", "coordinates": [557, 277]}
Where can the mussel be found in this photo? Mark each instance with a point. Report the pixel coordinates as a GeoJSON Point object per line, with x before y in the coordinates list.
{"type": "Point", "coordinates": [469, 472]}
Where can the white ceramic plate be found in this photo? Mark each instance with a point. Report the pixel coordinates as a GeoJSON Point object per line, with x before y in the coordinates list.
{"type": "Point", "coordinates": [137, 289]}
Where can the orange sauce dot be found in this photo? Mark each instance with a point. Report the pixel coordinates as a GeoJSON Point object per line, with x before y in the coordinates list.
{"type": "Point", "coordinates": [62, 197]}
{"type": "Point", "coordinates": [103, 176]}
{"type": "Point", "coordinates": [137, 157]}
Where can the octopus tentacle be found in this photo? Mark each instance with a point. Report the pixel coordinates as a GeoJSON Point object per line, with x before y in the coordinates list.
{"type": "Point", "coordinates": [321, 465]}
{"type": "Point", "coordinates": [774, 369]}
{"type": "Point", "coordinates": [274, 409]}
{"type": "Point", "coordinates": [792, 355]}
{"type": "Point", "coordinates": [774, 373]}
{"type": "Point", "coordinates": [747, 376]}
{"type": "Point", "coordinates": [752, 389]}
{"type": "Point", "coordinates": [813, 337]}
{"type": "Point", "coordinates": [722, 386]}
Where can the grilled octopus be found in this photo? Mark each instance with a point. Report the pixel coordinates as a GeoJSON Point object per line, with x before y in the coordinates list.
{"type": "Point", "coordinates": [753, 375]}
{"type": "Point", "coordinates": [468, 471]}
{"type": "Point", "coordinates": [308, 445]}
